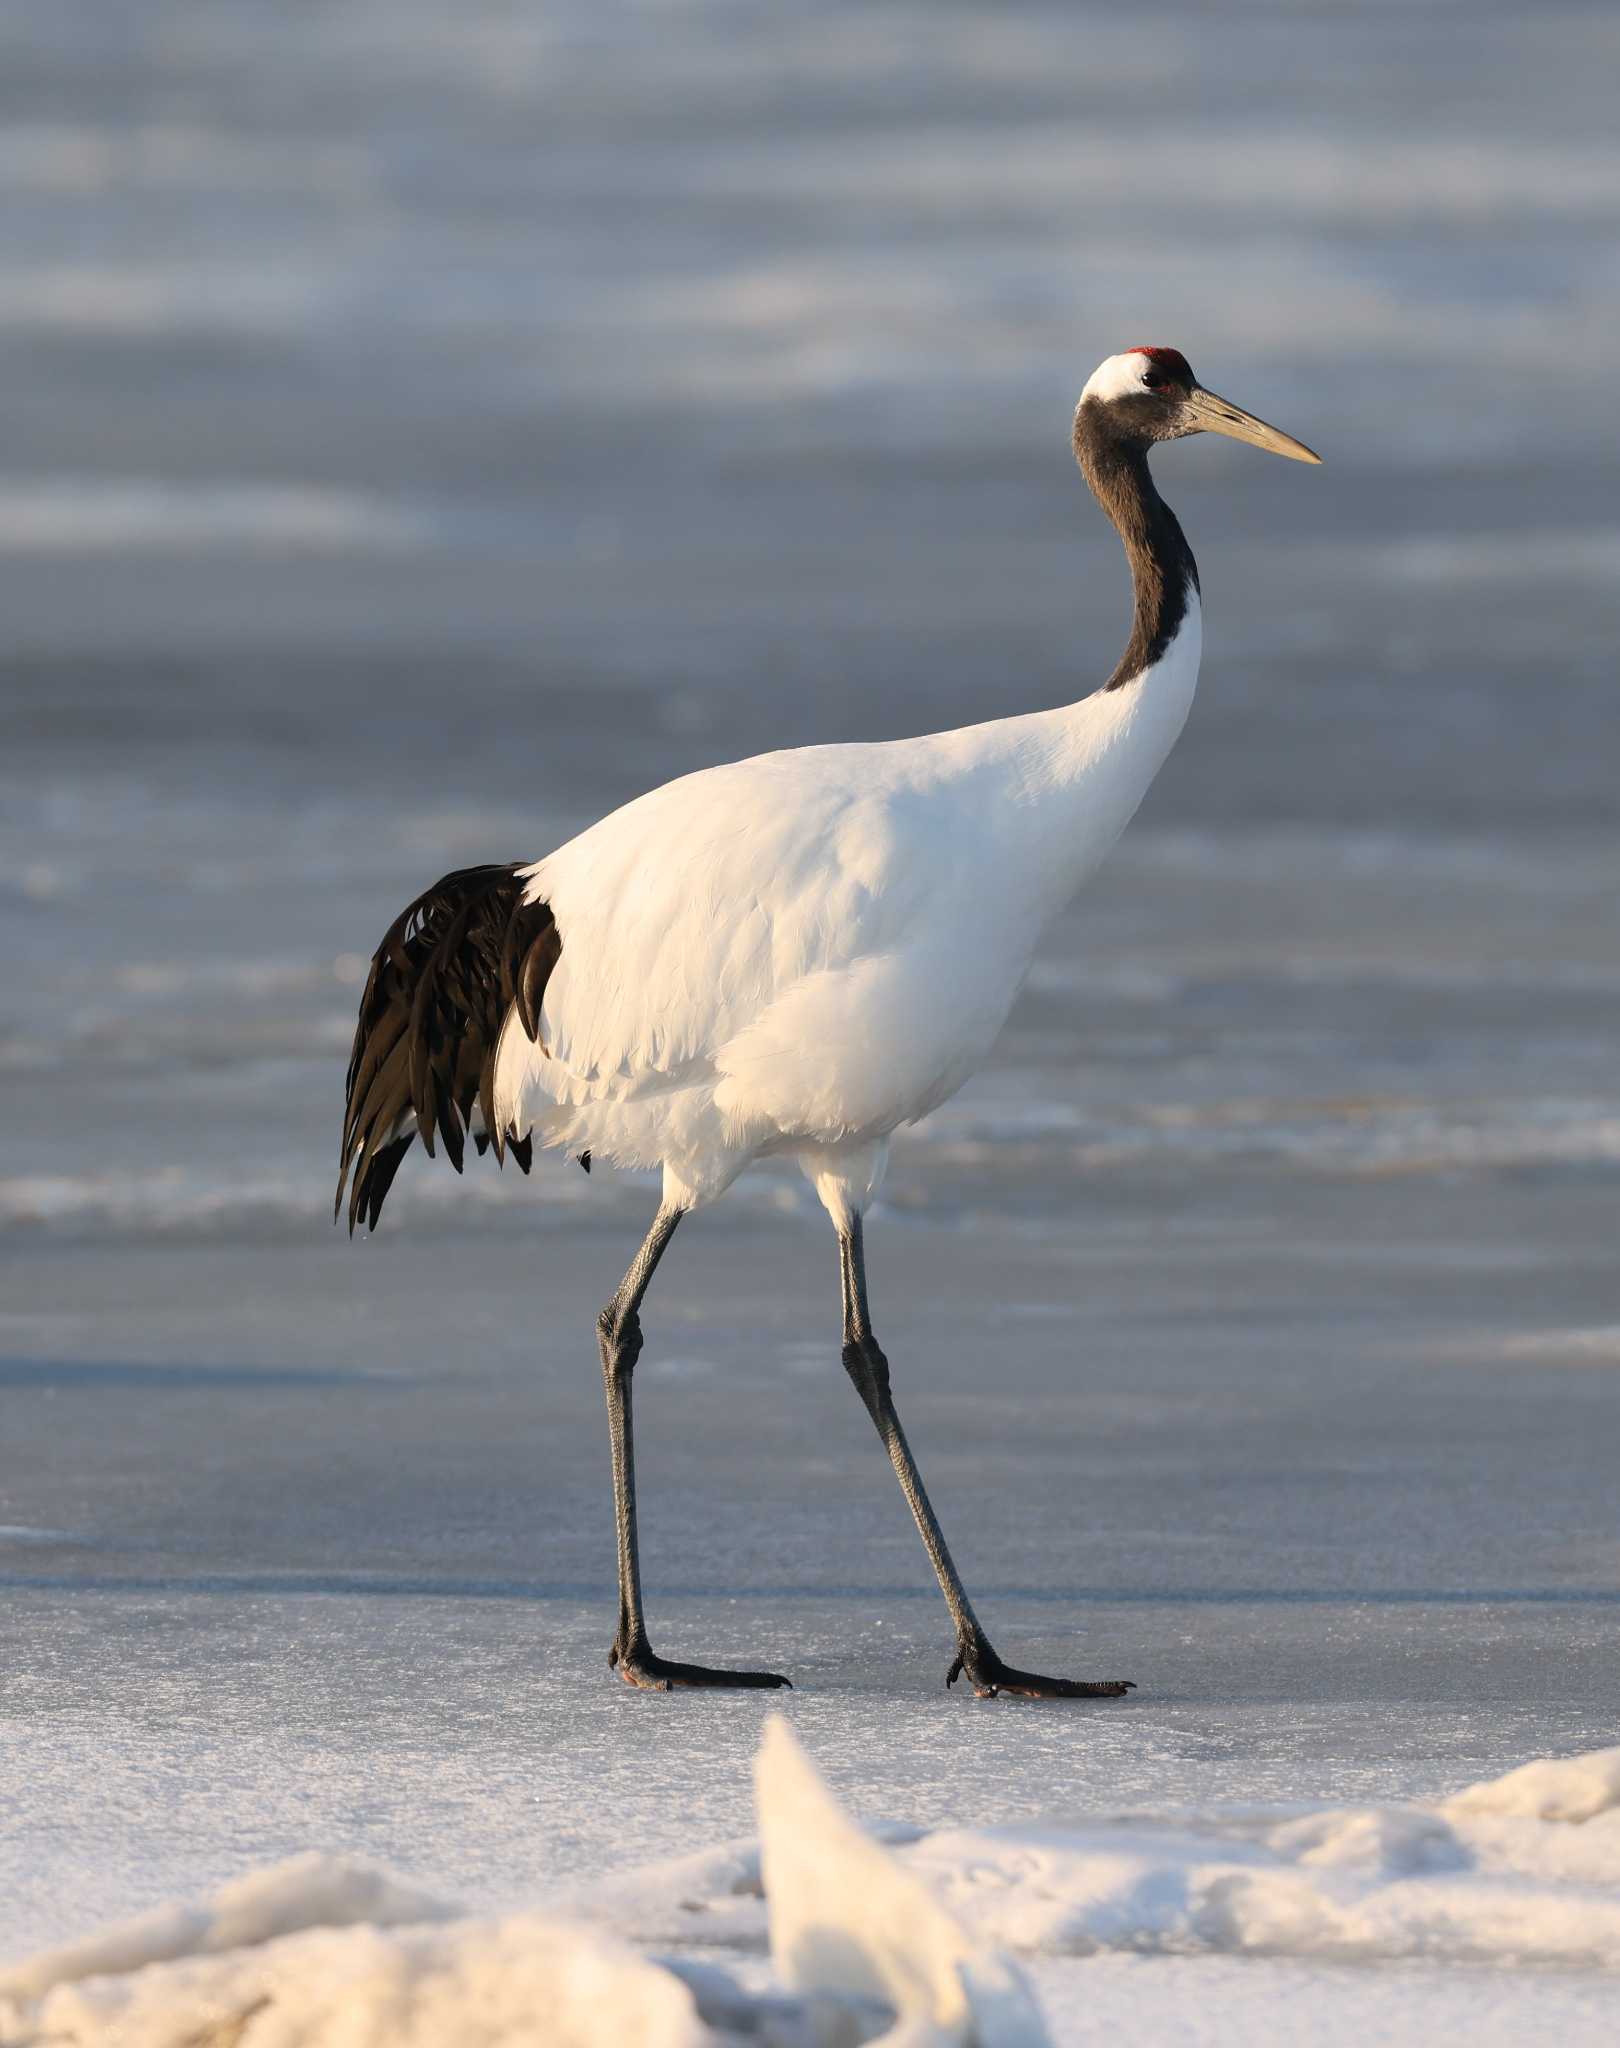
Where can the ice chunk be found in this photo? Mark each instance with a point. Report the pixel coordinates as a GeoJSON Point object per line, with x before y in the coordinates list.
{"type": "Point", "coordinates": [847, 1921]}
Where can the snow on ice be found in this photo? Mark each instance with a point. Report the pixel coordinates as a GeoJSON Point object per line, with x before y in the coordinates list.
{"type": "Point", "coordinates": [901, 1942]}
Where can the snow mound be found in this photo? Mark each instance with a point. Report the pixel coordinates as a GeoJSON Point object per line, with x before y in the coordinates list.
{"type": "Point", "coordinates": [459, 1984]}
{"type": "Point", "coordinates": [304, 1892]}
{"type": "Point", "coordinates": [319, 1952]}
{"type": "Point", "coordinates": [1480, 1878]}
{"type": "Point", "coordinates": [1490, 1876]}
{"type": "Point", "coordinates": [1325, 1891]}
{"type": "Point", "coordinates": [1575, 1788]}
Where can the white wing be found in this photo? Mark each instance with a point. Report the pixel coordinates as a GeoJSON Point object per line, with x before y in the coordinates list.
{"type": "Point", "coordinates": [690, 909]}
{"type": "Point", "coordinates": [768, 927]}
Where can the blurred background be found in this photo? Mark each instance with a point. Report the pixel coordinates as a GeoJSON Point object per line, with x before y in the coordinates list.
{"type": "Point", "coordinates": [427, 425]}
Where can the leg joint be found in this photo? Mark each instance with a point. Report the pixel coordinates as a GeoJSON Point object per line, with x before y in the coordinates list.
{"type": "Point", "coordinates": [869, 1371]}
{"type": "Point", "coordinates": [619, 1335]}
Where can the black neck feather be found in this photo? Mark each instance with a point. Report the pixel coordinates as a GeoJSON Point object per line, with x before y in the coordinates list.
{"type": "Point", "coordinates": [1163, 571]}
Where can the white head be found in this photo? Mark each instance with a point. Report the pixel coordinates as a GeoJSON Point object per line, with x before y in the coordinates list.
{"type": "Point", "coordinates": [1150, 394]}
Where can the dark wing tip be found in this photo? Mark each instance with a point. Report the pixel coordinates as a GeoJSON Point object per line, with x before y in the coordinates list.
{"type": "Point", "coordinates": [380, 1178]}
{"type": "Point", "coordinates": [442, 983]}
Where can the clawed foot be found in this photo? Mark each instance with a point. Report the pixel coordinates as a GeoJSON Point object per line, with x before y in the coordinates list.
{"type": "Point", "coordinates": [987, 1675]}
{"type": "Point", "coordinates": [643, 1667]}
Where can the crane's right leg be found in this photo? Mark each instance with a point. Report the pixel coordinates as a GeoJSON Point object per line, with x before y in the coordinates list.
{"type": "Point", "coordinates": [868, 1370]}
{"type": "Point", "coordinates": [619, 1337]}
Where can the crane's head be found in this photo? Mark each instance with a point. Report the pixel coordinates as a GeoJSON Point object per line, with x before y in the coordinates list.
{"type": "Point", "coordinates": [1151, 394]}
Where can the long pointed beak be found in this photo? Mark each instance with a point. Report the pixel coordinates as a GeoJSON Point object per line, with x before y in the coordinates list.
{"type": "Point", "coordinates": [1212, 415]}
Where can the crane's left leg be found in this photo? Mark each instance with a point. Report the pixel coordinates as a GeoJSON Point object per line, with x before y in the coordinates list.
{"type": "Point", "coordinates": [618, 1330]}
{"type": "Point", "coordinates": [869, 1370]}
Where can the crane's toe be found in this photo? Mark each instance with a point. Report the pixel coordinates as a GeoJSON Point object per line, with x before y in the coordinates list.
{"type": "Point", "coordinates": [988, 1676]}
{"type": "Point", "coordinates": [642, 1666]}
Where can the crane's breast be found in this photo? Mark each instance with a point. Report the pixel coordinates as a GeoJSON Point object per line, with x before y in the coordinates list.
{"type": "Point", "coordinates": [856, 1050]}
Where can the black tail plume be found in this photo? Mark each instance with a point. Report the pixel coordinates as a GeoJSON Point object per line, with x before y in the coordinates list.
{"type": "Point", "coordinates": [441, 984]}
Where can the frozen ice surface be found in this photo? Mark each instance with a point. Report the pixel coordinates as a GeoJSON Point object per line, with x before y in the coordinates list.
{"type": "Point", "coordinates": [431, 428]}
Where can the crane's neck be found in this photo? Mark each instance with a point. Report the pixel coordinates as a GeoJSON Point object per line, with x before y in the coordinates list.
{"type": "Point", "coordinates": [1163, 572]}
{"type": "Point", "coordinates": [1082, 769]}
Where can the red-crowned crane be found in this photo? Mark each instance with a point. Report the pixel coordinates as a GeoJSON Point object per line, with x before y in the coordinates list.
{"type": "Point", "coordinates": [794, 954]}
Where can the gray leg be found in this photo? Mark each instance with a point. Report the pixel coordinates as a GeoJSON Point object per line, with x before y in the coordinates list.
{"type": "Point", "coordinates": [869, 1371]}
{"type": "Point", "coordinates": [619, 1338]}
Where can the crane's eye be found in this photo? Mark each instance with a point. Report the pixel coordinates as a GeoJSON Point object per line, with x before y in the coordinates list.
{"type": "Point", "coordinates": [1155, 380]}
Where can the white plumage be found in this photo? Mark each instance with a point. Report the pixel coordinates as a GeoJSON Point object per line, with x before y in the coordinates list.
{"type": "Point", "coordinates": [801, 952]}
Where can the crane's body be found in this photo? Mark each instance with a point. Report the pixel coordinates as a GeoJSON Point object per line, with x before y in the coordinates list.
{"type": "Point", "coordinates": [795, 955]}
{"type": "Point", "coordinates": [801, 952]}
